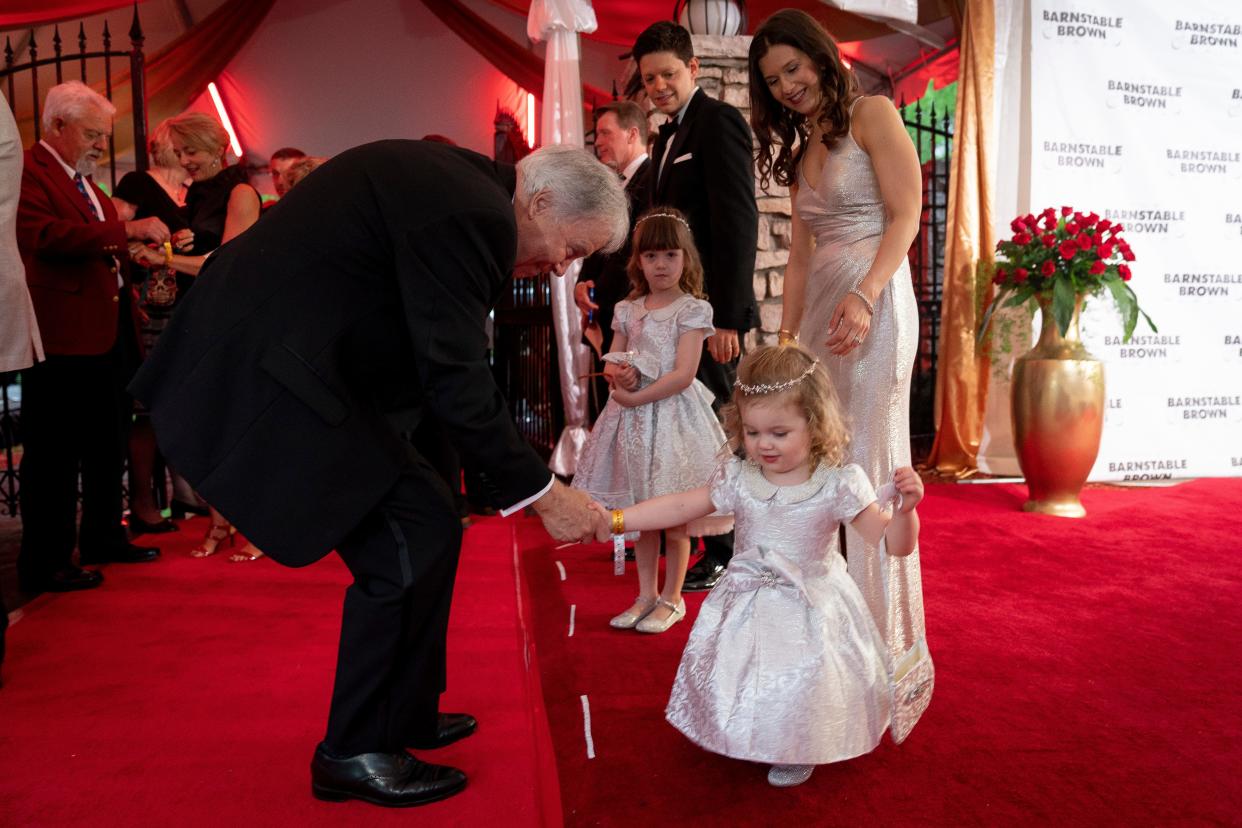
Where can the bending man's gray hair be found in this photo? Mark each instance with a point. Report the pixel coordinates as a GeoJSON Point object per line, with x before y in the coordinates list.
{"type": "Point", "coordinates": [71, 101]}
{"type": "Point", "coordinates": [581, 188]}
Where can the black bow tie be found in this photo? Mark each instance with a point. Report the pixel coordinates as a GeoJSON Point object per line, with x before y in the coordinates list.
{"type": "Point", "coordinates": [667, 131]}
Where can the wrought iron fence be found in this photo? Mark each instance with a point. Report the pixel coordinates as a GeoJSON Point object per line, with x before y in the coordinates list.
{"type": "Point", "coordinates": [932, 132]}
{"type": "Point", "coordinates": [31, 71]}
{"type": "Point", "coordinates": [524, 358]}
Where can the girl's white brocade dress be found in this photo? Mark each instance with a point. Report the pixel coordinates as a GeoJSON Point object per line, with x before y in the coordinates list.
{"type": "Point", "coordinates": [785, 664]}
{"type": "Point", "coordinates": [670, 445]}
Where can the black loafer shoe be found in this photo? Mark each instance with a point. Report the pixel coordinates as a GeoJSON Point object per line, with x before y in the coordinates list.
{"type": "Point", "coordinates": [138, 526]}
{"type": "Point", "coordinates": [129, 553]}
{"type": "Point", "coordinates": [69, 579]}
{"type": "Point", "coordinates": [395, 780]}
{"type": "Point", "coordinates": [703, 576]}
{"type": "Point", "coordinates": [450, 728]}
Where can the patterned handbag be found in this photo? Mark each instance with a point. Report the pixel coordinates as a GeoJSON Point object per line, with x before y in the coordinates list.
{"type": "Point", "coordinates": [913, 682]}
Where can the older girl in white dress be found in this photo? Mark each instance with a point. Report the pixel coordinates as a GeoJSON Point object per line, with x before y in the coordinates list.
{"type": "Point", "coordinates": [785, 664]}
{"type": "Point", "coordinates": [657, 434]}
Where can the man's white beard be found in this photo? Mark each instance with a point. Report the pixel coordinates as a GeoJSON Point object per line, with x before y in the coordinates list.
{"type": "Point", "coordinates": [86, 166]}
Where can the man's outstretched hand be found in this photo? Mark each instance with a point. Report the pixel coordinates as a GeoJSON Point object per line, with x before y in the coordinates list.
{"type": "Point", "coordinates": [566, 514]}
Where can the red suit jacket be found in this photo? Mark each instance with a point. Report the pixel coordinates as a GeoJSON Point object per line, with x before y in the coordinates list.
{"type": "Point", "coordinates": [71, 258]}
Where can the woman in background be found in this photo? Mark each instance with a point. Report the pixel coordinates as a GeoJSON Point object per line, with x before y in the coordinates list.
{"type": "Point", "coordinates": [220, 205]}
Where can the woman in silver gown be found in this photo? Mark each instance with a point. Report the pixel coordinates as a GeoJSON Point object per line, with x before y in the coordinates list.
{"type": "Point", "coordinates": [856, 184]}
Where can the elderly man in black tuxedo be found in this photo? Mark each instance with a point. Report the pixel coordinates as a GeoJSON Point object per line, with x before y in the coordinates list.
{"type": "Point", "coordinates": [702, 164]}
{"type": "Point", "coordinates": [310, 343]}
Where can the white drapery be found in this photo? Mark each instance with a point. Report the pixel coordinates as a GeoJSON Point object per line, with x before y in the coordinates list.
{"type": "Point", "coordinates": [558, 22]}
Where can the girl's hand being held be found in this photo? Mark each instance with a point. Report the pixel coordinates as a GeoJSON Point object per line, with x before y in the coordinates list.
{"type": "Point", "coordinates": [910, 486]}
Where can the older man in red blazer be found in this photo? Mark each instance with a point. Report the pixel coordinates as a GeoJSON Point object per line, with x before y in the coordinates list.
{"type": "Point", "coordinates": [75, 409]}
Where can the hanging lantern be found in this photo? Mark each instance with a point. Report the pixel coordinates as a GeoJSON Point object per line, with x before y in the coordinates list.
{"type": "Point", "coordinates": [712, 17]}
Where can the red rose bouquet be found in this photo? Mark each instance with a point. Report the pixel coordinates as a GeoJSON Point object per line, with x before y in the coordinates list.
{"type": "Point", "coordinates": [1059, 258]}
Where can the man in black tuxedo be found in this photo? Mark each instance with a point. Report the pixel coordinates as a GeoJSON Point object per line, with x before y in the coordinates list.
{"type": "Point", "coordinates": [310, 343]}
{"type": "Point", "coordinates": [621, 143]}
{"type": "Point", "coordinates": [702, 164]}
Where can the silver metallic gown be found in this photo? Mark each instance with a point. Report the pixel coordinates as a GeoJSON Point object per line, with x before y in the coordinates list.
{"type": "Point", "coordinates": [845, 212]}
{"type": "Point", "coordinates": [667, 446]}
{"type": "Point", "coordinates": [785, 664]}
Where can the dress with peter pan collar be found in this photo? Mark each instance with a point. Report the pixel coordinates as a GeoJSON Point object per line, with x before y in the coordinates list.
{"type": "Point", "coordinates": [785, 664]}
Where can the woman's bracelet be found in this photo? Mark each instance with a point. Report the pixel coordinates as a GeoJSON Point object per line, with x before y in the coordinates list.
{"type": "Point", "coordinates": [865, 300]}
{"type": "Point", "coordinates": [785, 337]}
{"type": "Point", "coordinates": [618, 522]}
{"type": "Point", "coordinates": [168, 253]}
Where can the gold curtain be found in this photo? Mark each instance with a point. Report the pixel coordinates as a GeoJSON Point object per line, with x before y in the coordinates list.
{"type": "Point", "coordinates": [962, 370]}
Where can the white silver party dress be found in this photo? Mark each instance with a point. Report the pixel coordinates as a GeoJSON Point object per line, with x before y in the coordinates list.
{"type": "Point", "coordinates": [784, 664]}
{"type": "Point", "coordinates": [670, 445]}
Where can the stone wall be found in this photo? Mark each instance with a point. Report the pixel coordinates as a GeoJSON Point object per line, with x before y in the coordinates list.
{"type": "Point", "coordinates": [723, 75]}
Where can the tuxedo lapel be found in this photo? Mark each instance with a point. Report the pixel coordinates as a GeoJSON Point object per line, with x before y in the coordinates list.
{"type": "Point", "coordinates": [679, 142]}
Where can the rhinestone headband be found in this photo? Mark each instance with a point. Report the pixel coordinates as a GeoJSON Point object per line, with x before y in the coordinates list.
{"type": "Point", "coordinates": [662, 215]}
{"type": "Point", "coordinates": [772, 388]}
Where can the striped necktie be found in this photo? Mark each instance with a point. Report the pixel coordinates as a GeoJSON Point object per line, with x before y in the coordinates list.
{"type": "Point", "coordinates": [81, 182]}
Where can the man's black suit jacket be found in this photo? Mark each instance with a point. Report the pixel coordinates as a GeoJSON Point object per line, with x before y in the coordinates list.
{"type": "Point", "coordinates": [608, 270]}
{"type": "Point", "coordinates": [709, 176]}
{"type": "Point", "coordinates": [312, 340]}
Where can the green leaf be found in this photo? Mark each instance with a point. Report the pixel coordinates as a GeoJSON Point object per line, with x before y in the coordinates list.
{"type": "Point", "coordinates": [1063, 304]}
{"type": "Point", "coordinates": [1127, 304]}
{"type": "Point", "coordinates": [987, 316]}
{"type": "Point", "coordinates": [1019, 296]}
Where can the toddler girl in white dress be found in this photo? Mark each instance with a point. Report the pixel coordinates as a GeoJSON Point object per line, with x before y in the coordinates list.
{"type": "Point", "coordinates": [785, 665]}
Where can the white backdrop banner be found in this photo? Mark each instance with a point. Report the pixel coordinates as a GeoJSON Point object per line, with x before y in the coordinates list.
{"type": "Point", "coordinates": [1136, 114]}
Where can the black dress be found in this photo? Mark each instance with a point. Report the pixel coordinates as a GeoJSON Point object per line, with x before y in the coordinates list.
{"type": "Point", "coordinates": [207, 206]}
{"type": "Point", "coordinates": [160, 287]}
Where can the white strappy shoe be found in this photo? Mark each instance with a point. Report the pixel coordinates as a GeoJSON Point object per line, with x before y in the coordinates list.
{"type": "Point", "coordinates": [627, 619]}
{"type": "Point", "coordinates": [653, 625]}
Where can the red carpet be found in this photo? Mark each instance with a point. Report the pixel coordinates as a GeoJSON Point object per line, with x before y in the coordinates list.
{"type": "Point", "coordinates": [192, 692]}
{"type": "Point", "coordinates": [1087, 674]}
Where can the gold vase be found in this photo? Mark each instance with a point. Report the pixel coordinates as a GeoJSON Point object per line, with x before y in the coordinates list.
{"type": "Point", "coordinates": [1057, 403]}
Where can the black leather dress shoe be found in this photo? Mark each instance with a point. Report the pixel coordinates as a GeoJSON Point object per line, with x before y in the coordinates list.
{"type": "Point", "coordinates": [138, 526]}
{"type": "Point", "coordinates": [69, 579]}
{"type": "Point", "coordinates": [126, 553]}
{"type": "Point", "coordinates": [396, 780]}
{"type": "Point", "coordinates": [703, 576]}
{"type": "Point", "coordinates": [450, 728]}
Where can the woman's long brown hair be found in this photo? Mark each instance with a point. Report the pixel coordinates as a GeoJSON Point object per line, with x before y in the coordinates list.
{"type": "Point", "coordinates": [781, 132]}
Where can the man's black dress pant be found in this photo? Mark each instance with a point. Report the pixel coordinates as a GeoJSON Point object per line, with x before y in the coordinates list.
{"type": "Point", "coordinates": [390, 669]}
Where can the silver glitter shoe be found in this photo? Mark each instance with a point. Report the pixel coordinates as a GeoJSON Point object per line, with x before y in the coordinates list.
{"type": "Point", "coordinates": [786, 776]}
{"type": "Point", "coordinates": [627, 619]}
{"type": "Point", "coordinates": [651, 625]}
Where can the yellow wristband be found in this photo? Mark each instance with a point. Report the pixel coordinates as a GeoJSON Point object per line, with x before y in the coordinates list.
{"type": "Point", "coordinates": [784, 337]}
{"type": "Point", "coordinates": [618, 522]}
{"type": "Point", "coordinates": [167, 252]}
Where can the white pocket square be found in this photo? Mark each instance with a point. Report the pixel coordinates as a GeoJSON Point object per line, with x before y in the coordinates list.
{"type": "Point", "coordinates": [685, 157]}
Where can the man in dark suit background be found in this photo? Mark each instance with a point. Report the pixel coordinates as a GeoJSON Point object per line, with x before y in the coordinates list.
{"type": "Point", "coordinates": [621, 143]}
{"type": "Point", "coordinates": [75, 411]}
{"type": "Point", "coordinates": [310, 343]}
{"type": "Point", "coordinates": [702, 164]}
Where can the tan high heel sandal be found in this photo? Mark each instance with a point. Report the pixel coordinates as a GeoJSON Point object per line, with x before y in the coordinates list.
{"type": "Point", "coordinates": [216, 535]}
{"type": "Point", "coordinates": [249, 552]}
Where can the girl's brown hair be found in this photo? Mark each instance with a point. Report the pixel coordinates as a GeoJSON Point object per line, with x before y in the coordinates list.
{"type": "Point", "coordinates": [780, 131]}
{"type": "Point", "coordinates": [813, 395]}
{"type": "Point", "coordinates": [664, 228]}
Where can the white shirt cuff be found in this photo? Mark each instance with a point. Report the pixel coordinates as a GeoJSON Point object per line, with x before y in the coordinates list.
{"type": "Point", "coordinates": [529, 500]}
